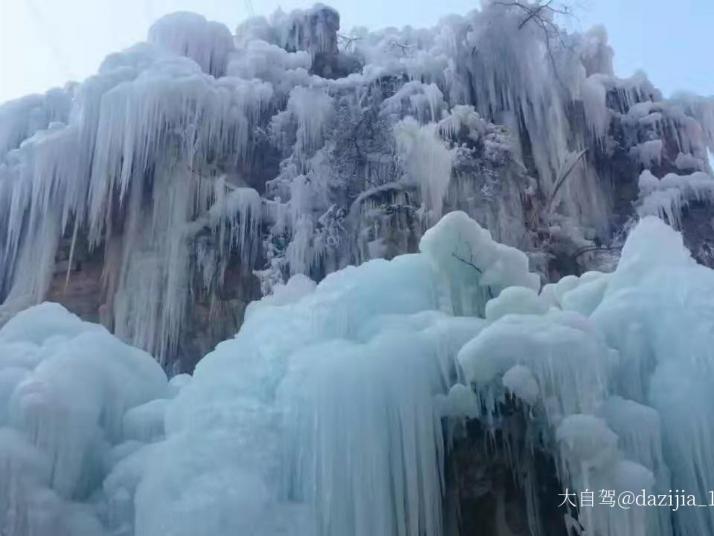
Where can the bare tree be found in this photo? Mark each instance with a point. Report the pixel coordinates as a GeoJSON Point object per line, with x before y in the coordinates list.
{"type": "Point", "coordinates": [542, 14]}
{"type": "Point", "coordinates": [347, 42]}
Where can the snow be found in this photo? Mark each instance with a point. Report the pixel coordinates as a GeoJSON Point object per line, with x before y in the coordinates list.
{"type": "Point", "coordinates": [312, 109]}
{"type": "Point", "coordinates": [423, 101]}
{"type": "Point", "coordinates": [669, 196]}
{"type": "Point", "coordinates": [463, 116]}
{"type": "Point", "coordinates": [427, 162]}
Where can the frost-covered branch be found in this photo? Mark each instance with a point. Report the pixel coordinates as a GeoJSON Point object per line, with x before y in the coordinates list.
{"type": "Point", "coordinates": [541, 11]}
{"type": "Point", "coordinates": [542, 14]}
{"type": "Point", "coordinates": [404, 47]}
{"type": "Point", "coordinates": [347, 41]}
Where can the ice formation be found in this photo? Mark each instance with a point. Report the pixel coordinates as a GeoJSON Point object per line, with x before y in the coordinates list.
{"type": "Point", "coordinates": [326, 413]}
{"type": "Point", "coordinates": [669, 196]}
{"type": "Point", "coordinates": [202, 169]}
{"type": "Point", "coordinates": [67, 391]}
{"type": "Point", "coordinates": [209, 44]}
{"type": "Point", "coordinates": [354, 143]}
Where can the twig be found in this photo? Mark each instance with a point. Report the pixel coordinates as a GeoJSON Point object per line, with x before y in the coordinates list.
{"type": "Point", "coordinates": [548, 27]}
{"type": "Point", "coordinates": [471, 264]}
{"type": "Point", "coordinates": [348, 40]}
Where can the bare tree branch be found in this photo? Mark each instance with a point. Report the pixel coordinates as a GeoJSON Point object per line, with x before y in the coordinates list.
{"type": "Point", "coordinates": [405, 48]}
{"type": "Point", "coordinates": [533, 13]}
{"type": "Point", "coordinates": [564, 174]}
{"type": "Point", "coordinates": [347, 41]}
{"type": "Point", "coordinates": [469, 263]}
{"type": "Point", "coordinates": [541, 14]}
{"type": "Point", "coordinates": [472, 265]}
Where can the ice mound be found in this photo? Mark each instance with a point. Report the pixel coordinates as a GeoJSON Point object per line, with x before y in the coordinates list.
{"type": "Point", "coordinates": [326, 413]}
{"type": "Point", "coordinates": [65, 388]}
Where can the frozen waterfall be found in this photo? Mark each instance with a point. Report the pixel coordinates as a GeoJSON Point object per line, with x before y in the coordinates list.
{"type": "Point", "coordinates": [409, 271]}
{"type": "Point", "coordinates": [197, 170]}
{"type": "Point", "coordinates": [327, 413]}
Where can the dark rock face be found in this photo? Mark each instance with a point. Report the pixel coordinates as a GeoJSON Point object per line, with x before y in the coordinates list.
{"type": "Point", "coordinates": [698, 231]}
{"type": "Point", "coordinates": [212, 318]}
{"type": "Point", "coordinates": [79, 287]}
{"type": "Point", "coordinates": [215, 318]}
{"type": "Point", "coordinates": [497, 486]}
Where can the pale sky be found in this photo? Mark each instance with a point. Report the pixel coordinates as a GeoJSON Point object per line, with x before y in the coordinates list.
{"type": "Point", "coordinates": [44, 43]}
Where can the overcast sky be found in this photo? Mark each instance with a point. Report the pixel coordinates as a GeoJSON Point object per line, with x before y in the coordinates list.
{"type": "Point", "coordinates": [44, 43]}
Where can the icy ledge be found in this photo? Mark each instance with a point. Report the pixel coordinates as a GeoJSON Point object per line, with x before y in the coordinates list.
{"type": "Point", "coordinates": [324, 414]}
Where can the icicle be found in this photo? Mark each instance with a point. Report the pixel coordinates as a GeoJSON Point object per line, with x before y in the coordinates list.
{"type": "Point", "coordinates": [596, 112]}
{"type": "Point", "coordinates": [62, 411]}
{"type": "Point", "coordinates": [669, 196]}
{"type": "Point", "coordinates": [424, 101]}
{"type": "Point", "coordinates": [427, 161]}
{"type": "Point", "coordinates": [648, 154]}
{"type": "Point", "coordinates": [312, 109]}
{"type": "Point", "coordinates": [207, 43]}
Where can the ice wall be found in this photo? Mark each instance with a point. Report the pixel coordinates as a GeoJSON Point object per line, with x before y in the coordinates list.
{"type": "Point", "coordinates": [201, 168]}
{"type": "Point", "coordinates": [67, 389]}
{"type": "Point", "coordinates": [333, 409]}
